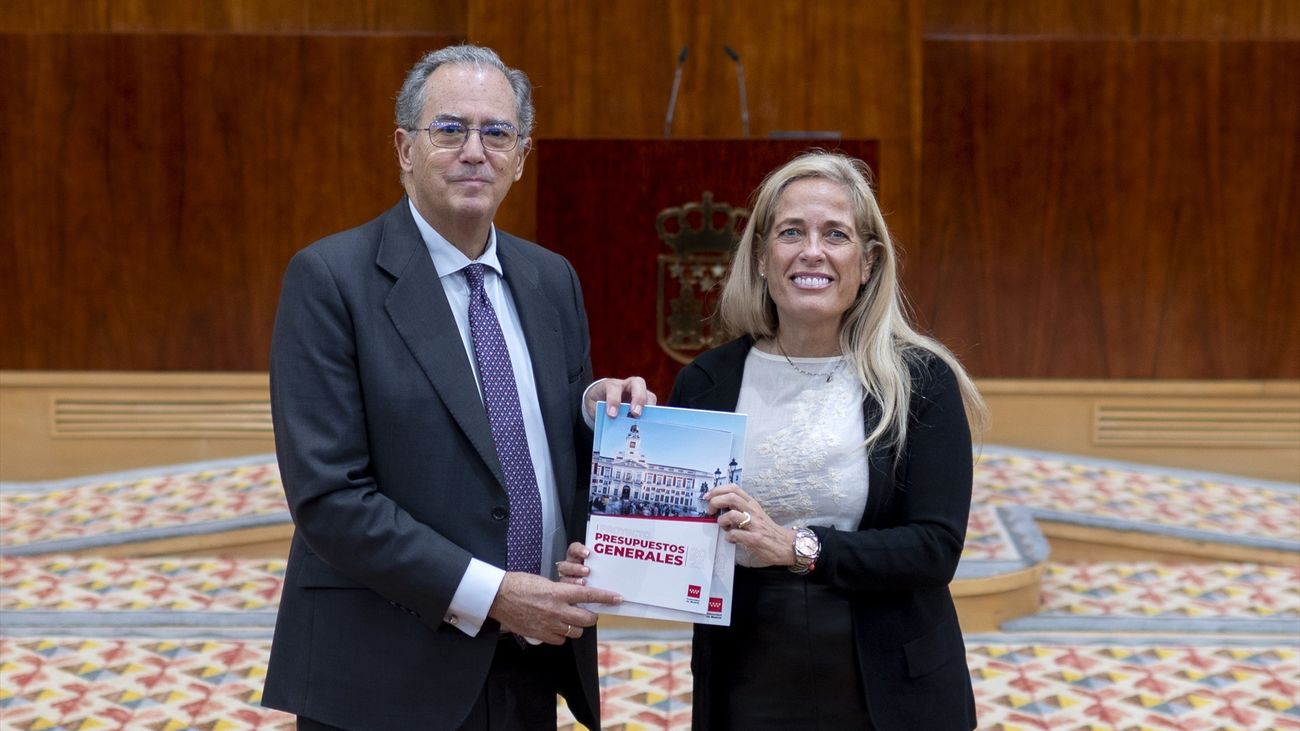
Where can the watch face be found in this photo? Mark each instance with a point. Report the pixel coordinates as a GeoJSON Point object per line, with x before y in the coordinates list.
{"type": "Point", "coordinates": [806, 545]}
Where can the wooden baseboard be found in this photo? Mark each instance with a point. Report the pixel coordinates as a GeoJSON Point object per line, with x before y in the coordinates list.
{"type": "Point", "coordinates": [267, 541]}
{"type": "Point", "coordinates": [1086, 544]}
{"type": "Point", "coordinates": [985, 608]}
{"type": "Point", "coordinates": [1247, 428]}
{"type": "Point", "coordinates": [65, 424]}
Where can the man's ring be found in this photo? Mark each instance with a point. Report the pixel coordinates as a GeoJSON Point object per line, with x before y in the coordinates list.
{"type": "Point", "coordinates": [745, 522]}
{"type": "Point", "coordinates": [568, 630]}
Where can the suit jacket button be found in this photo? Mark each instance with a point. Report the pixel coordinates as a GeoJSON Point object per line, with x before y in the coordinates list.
{"type": "Point", "coordinates": [498, 513]}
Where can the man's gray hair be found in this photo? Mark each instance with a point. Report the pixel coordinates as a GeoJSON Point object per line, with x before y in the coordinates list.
{"type": "Point", "coordinates": [410, 100]}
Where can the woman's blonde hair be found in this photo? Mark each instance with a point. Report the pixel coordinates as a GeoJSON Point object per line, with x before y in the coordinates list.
{"type": "Point", "coordinates": [875, 333]}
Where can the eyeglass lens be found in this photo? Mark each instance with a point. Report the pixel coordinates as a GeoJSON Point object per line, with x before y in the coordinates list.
{"type": "Point", "coordinates": [497, 137]}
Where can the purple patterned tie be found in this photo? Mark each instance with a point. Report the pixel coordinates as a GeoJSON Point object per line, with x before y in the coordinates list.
{"type": "Point", "coordinates": [524, 548]}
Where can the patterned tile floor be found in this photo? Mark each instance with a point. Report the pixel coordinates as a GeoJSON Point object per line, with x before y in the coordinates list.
{"type": "Point", "coordinates": [207, 587]}
{"type": "Point", "coordinates": [1041, 683]}
{"type": "Point", "coordinates": [1211, 507]}
{"type": "Point", "coordinates": [73, 514]}
{"type": "Point", "coordinates": [76, 514]}
{"type": "Point", "coordinates": [1153, 597]}
{"type": "Point", "coordinates": [173, 645]}
{"type": "Point", "coordinates": [145, 643]}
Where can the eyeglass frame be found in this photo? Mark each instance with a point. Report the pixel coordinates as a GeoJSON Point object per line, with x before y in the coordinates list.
{"type": "Point", "coordinates": [468, 129]}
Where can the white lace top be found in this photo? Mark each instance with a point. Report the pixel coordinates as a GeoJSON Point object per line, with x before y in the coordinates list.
{"type": "Point", "coordinates": [804, 459]}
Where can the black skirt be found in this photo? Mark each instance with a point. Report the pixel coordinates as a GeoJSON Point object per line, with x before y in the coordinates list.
{"type": "Point", "coordinates": [787, 661]}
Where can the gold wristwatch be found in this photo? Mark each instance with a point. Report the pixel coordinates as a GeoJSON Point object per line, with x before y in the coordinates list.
{"type": "Point", "coordinates": [807, 549]}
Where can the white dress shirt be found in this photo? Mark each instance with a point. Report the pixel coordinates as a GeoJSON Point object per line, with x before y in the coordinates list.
{"type": "Point", "coordinates": [479, 586]}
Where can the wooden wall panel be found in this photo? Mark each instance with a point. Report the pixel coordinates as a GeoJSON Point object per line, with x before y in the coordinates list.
{"type": "Point", "coordinates": [604, 70]}
{"type": "Point", "coordinates": [154, 186]}
{"type": "Point", "coordinates": [1241, 19]}
{"type": "Point", "coordinates": [1097, 189]}
{"type": "Point", "coordinates": [231, 16]}
{"type": "Point", "coordinates": [1112, 209]}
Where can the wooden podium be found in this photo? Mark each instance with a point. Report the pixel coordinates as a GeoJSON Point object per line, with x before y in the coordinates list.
{"type": "Point", "coordinates": [597, 204]}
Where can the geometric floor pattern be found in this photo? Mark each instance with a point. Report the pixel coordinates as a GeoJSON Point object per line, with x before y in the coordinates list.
{"type": "Point", "coordinates": [1166, 592]}
{"type": "Point", "coordinates": [86, 583]}
{"type": "Point", "coordinates": [1172, 591]}
{"type": "Point", "coordinates": [71, 514]}
{"type": "Point", "coordinates": [193, 676]}
{"type": "Point", "coordinates": [159, 685]}
{"type": "Point", "coordinates": [1065, 685]}
{"type": "Point", "coordinates": [67, 515]}
{"type": "Point", "coordinates": [179, 644]}
{"type": "Point", "coordinates": [176, 685]}
{"type": "Point", "coordinates": [1157, 499]}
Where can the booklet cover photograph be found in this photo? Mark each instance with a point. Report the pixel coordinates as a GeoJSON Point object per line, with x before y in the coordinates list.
{"type": "Point", "coordinates": [649, 532]}
{"type": "Point", "coordinates": [657, 469]}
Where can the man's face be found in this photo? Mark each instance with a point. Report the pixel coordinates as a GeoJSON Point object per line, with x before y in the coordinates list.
{"type": "Point", "coordinates": [456, 189]}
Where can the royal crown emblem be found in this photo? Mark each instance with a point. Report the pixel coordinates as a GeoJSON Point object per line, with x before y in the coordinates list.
{"type": "Point", "coordinates": [702, 235]}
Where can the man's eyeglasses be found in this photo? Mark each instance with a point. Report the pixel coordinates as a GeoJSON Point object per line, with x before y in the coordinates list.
{"type": "Point", "coordinates": [495, 136]}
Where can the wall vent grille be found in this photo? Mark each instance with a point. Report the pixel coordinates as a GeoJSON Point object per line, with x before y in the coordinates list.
{"type": "Point", "coordinates": [1196, 423]}
{"type": "Point", "coordinates": [162, 418]}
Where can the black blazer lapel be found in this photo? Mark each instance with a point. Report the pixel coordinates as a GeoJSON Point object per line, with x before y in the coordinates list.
{"type": "Point", "coordinates": [418, 308]}
{"type": "Point", "coordinates": [881, 472]}
{"type": "Point", "coordinates": [725, 375]}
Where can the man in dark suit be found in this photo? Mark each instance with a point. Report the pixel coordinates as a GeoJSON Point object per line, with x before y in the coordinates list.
{"type": "Point", "coordinates": [429, 375]}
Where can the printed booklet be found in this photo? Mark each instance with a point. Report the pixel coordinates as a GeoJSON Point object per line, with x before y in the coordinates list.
{"type": "Point", "coordinates": [650, 537]}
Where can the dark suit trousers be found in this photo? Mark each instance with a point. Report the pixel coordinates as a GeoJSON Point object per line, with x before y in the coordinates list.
{"type": "Point", "coordinates": [520, 692]}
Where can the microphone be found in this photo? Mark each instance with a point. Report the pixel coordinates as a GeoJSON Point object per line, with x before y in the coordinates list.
{"type": "Point", "coordinates": [672, 96]}
{"type": "Point", "coordinates": [740, 79]}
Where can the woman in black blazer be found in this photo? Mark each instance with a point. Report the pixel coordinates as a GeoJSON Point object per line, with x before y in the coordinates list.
{"type": "Point", "coordinates": [857, 475]}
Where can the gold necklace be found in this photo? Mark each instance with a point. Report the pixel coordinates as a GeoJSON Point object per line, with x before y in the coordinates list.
{"type": "Point", "coordinates": [829, 374]}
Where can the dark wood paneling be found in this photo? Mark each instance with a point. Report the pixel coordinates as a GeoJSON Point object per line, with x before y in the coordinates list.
{"type": "Point", "coordinates": [155, 186]}
{"type": "Point", "coordinates": [1095, 203]}
{"type": "Point", "coordinates": [1112, 209]}
{"type": "Point", "coordinates": [232, 16]}
{"type": "Point", "coordinates": [604, 70]}
{"type": "Point", "coordinates": [53, 16]}
{"type": "Point", "coordinates": [1241, 19]}
{"type": "Point", "coordinates": [1064, 17]}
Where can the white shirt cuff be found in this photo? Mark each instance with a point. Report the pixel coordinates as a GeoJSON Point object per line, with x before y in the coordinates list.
{"type": "Point", "coordinates": [591, 421]}
{"type": "Point", "coordinates": [474, 596]}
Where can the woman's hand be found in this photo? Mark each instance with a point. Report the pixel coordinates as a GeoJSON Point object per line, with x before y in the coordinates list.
{"type": "Point", "coordinates": [572, 569]}
{"type": "Point", "coordinates": [747, 524]}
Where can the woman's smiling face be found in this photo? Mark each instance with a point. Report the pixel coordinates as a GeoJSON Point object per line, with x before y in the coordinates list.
{"type": "Point", "coordinates": [814, 260]}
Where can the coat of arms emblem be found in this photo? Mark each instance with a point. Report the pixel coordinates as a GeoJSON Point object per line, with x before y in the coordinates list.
{"type": "Point", "coordinates": [702, 236]}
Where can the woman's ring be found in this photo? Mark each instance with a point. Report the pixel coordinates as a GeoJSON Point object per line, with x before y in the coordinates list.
{"type": "Point", "coordinates": [745, 522]}
{"type": "Point", "coordinates": [568, 629]}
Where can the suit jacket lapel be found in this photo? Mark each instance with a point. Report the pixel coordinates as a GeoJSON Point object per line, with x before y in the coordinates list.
{"type": "Point", "coordinates": [419, 311]}
{"type": "Point", "coordinates": [539, 319]}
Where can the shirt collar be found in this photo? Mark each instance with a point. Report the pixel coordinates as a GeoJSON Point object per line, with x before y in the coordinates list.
{"type": "Point", "coordinates": [447, 259]}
